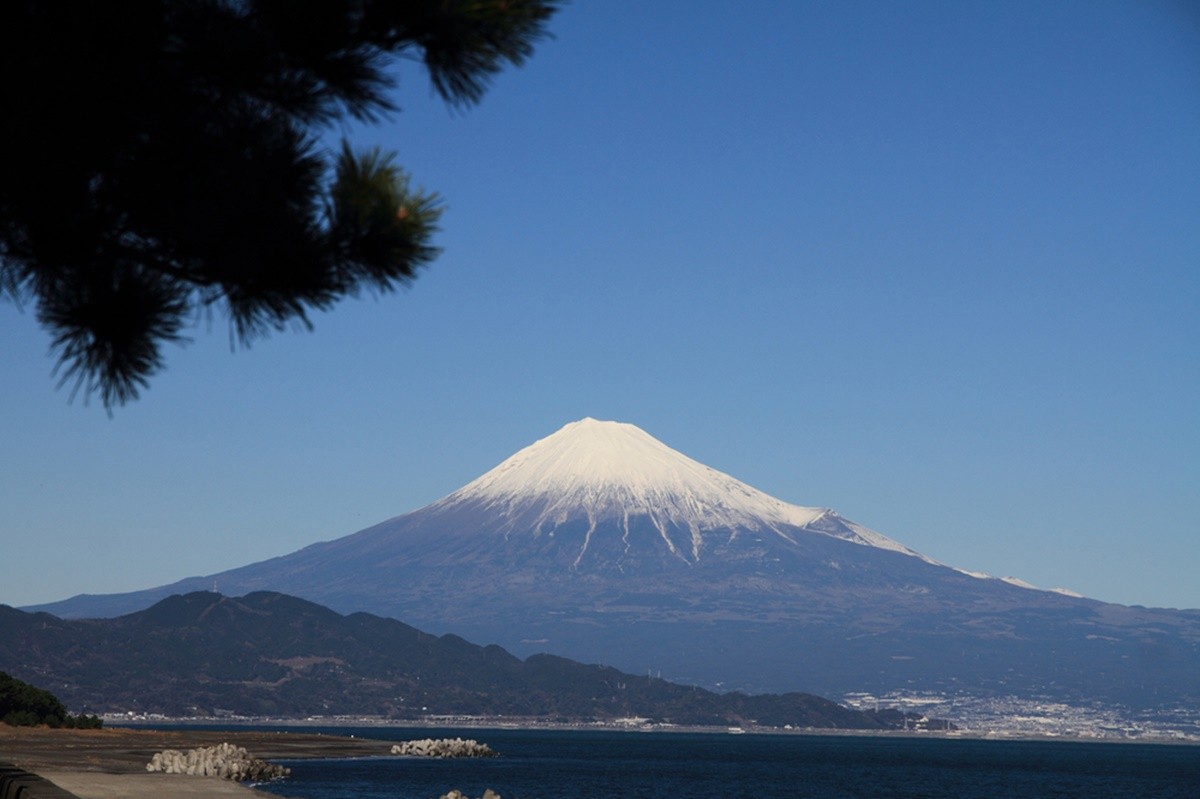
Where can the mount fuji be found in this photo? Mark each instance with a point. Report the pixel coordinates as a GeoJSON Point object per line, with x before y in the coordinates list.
{"type": "Point", "coordinates": [602, 544]}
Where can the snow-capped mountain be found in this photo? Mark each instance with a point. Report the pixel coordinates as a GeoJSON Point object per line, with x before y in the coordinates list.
{"type": "Point", "coordinates": [617, 473]}
{"type": "Point", "coordinates": [602, 544]}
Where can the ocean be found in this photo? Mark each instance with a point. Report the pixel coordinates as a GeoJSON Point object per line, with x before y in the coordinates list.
{"type": "Point", "coordinates": [546, 764]}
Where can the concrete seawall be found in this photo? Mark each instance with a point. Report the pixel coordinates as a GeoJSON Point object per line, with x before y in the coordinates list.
{"type": "Point", "coordinates": [17, 783]}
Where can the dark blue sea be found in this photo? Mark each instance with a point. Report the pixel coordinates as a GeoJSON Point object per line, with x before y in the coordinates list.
{"type": "Point", "coordinates": [548, 764]}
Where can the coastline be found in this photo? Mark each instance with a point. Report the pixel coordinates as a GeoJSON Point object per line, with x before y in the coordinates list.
{"type": "Point", "coordinates": [111, 762]}
{"type": "Point", "coordinates": [503, 723]}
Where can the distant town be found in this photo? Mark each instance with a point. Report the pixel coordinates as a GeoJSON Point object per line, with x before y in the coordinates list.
{"type": "Point", "coordinates": [1010, 716]}
{"type": "Point", "coordinates": [997, 717]}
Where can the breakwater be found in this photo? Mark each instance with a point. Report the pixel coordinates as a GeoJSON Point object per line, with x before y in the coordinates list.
{"type": "Point", "coordinates": [224, 760]}
{"type": "Point", "coordinates": [443, 747]}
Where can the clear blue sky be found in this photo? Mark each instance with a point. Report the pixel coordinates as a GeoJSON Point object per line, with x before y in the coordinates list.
{"type": "Point", "coordinates": [933, 264]}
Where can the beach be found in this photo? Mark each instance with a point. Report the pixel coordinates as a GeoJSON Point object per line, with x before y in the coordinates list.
{"type": "Point", "coordinates": [110, 763]}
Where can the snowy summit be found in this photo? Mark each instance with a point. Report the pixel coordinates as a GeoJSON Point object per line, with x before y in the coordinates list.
{"type": "Point", "coordinates": [613, 471]}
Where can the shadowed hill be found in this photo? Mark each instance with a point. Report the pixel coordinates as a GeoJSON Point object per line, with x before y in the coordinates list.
{"type": "Point", "coordinates": [272, 654]}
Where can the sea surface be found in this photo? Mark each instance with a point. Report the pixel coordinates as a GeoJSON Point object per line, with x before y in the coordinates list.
{"type": "Point", "coordinates": [547, 764]}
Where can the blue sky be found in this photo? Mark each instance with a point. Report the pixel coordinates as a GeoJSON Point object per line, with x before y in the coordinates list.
{"type": "Point", "coordinates": [934, 265]}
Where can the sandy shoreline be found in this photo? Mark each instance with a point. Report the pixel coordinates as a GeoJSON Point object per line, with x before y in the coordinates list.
{"type": "Point", "coordinates": [109, 763]}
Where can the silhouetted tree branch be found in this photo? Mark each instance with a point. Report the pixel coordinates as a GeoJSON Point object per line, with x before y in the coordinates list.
{"type": "Point", "coordinates": [160, 159]}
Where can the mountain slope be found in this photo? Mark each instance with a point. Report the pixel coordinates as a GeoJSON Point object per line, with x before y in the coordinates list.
{"type": "Point", "coordinates": [602, 544]}
{"type": "Point", "coordinates": [271, 654]}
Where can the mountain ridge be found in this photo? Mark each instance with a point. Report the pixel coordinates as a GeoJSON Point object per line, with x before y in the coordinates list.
{"type": "Point", "coordinates": [551, 552]}
{"type": "Point", "coordinates": [271, 654]}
